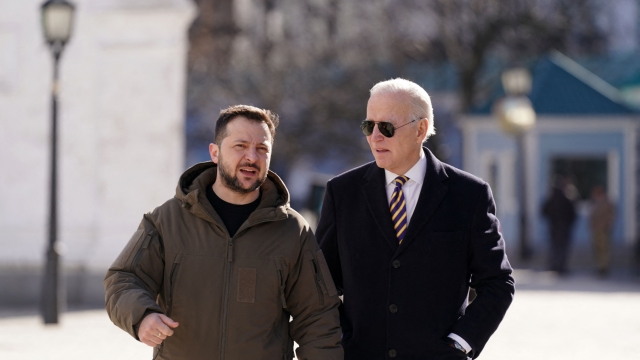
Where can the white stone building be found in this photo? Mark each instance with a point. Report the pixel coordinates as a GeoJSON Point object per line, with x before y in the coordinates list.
{"type": "Point", "coordinates": [121, 138]}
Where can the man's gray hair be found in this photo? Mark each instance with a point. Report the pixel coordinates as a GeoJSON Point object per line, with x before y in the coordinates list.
{"type": "Point", "coordinates": [418, 97]}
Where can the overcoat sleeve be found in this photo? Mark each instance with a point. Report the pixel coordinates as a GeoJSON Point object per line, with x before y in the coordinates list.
{"type": "Point", "coordinates": [490, 276]}
{"type": "Point", "coordinates": [328, 237]}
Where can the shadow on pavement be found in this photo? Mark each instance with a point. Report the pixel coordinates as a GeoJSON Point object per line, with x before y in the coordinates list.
{"type": "Point", "coordinates": [14, 312]}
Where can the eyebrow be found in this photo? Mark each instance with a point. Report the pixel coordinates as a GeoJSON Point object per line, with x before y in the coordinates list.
{"type": "Point", "coordinates": [243, 141]}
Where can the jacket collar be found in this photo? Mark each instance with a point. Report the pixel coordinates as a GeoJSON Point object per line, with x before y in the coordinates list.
{"type": "Point", "coordinates": [432, 193]}
{"type": "Point", "coordinates": [191, 191]}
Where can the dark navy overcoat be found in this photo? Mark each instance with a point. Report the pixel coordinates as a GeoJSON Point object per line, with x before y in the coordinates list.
{"type": "Point", "coordinates": [401, 301]}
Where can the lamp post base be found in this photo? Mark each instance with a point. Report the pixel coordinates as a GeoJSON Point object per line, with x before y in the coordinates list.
{"type": "Point", "coordinates": [50, 291]}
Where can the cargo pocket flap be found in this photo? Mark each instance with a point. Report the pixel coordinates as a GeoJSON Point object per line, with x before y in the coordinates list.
{"type": "Point", "coordinates": [326, 274]}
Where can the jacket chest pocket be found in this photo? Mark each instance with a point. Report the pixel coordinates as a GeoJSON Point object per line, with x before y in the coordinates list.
{"type": "Point", "coordinates": [260, 284]}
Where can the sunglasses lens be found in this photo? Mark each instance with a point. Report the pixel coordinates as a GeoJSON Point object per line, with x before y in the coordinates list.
{"type": "Point", "coordinates": [386, 129]}
{"type": "Point", "coordinates": [367, 127]}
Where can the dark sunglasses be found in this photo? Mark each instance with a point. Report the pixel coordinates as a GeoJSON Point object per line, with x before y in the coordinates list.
{"type": "Point", "coordinates": [386, 128]}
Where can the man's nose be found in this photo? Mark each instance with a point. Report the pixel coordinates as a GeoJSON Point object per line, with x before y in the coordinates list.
{"type": "Point", "coordinates": [251, 154]}
{"type": "Point", "coordinates": [376, 135]}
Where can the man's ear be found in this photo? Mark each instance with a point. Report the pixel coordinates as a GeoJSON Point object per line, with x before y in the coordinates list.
{"type": "Point", "coordinates": [213, 152]}
{"type": "Point", "coordinates": [423, 127]}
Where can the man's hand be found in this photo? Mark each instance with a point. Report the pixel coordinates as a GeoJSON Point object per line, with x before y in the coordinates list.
{"type": "Point", "coordinates": [154, 328]}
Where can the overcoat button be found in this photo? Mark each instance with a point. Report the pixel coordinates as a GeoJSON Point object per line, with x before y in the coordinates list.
{"type": "Point", "coordinates": [396, 263]}
{"type": "Point", "coordinates": [392, 353]}
{"type": "Point", "coordinates": [393, 308]}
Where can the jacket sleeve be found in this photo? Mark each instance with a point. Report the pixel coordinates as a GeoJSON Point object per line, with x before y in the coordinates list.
{"type": "Point", "coordinates": [134, 279]}
{"type": "Point", "coordinates": [490, 276]}
{"type": "Point", "coordinates": [312, 300]}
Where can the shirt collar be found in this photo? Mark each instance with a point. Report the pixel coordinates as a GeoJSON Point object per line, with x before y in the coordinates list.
{"type": "Point", "coordinates": [416, 173]}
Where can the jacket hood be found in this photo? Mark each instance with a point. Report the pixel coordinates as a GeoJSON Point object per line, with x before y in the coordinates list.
{"type": "Point", "coordinates": [191, 190]}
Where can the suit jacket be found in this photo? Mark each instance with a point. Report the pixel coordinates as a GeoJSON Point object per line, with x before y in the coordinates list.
{"type": "Point", "coordinates": [401, 301]}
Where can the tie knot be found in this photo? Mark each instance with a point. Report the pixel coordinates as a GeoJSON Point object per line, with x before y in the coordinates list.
{"type": "Point", "coordinates": [401, 180]}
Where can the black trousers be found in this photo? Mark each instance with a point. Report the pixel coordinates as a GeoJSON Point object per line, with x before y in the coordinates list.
{"type": "Point", "coordinates": [560, 248]}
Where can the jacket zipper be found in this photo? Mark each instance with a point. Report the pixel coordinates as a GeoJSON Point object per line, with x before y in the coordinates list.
{"type": "Point", "coordinates": [318, 281]}
{"type": "Point", "coordinates": [226, 297]}
{"type": "Point", "coordinates": [158, 352]}
{"type": "Point", "coordinates": [145, 244]}
{"type": "Point", "coordinates": [284, 337]}
{"type": "Point", "coordinates": [283, 299]}
{"type": "Point", "coordinates": [225, 308]}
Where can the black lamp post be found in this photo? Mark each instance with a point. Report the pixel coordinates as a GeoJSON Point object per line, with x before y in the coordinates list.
{"type": "Point", "coordinates": [516, 116]}
{"type": "Point", "coordinates": [57, 18]}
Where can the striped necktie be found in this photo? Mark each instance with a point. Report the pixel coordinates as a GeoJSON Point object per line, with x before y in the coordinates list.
{"type": "Point", "coordinates": [399, 208]}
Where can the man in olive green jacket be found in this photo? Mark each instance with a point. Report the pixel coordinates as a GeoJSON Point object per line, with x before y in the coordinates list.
{"type": "Point", "coordinates": [217, 271]}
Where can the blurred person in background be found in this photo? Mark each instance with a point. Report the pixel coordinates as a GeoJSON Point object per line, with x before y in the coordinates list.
{"type": "Point", "coordinates": [560, 212]}
{"type": "Point", "coordinates": [601, 222]}
{"type": "Point", "coordinates": [405, 238]}
{"type": "Point", "coordinates": [217, 271]}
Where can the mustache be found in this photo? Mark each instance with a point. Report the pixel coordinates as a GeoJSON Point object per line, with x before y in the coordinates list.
{"type": "Point", "coordinates": [249, 165]}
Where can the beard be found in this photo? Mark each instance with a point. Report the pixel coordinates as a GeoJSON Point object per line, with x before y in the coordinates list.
{"type": "Point", "coordinates": [231, 181]}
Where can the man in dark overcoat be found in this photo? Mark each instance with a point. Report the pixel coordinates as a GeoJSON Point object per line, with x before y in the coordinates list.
{"type": "Point", "coordinates": [560, 212]}
{"type": "Point", "coordinates": [407, 236]}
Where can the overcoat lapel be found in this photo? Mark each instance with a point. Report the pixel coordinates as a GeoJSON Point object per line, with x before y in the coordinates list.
{"type": "Point", "coordinates": [432, 192]}
{"type": "Point", "coordinates": [376, 198]}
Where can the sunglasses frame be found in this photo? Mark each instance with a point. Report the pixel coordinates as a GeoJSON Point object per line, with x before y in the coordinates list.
{"type": "Point", "coordinates": [383, 126]}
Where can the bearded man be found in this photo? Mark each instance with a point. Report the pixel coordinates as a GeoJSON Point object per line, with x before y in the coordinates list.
{"type": "Point", "coordinates": [218, 271]}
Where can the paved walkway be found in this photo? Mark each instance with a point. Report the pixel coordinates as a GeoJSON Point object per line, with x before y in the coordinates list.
{"type": "Point", "coordinates": [574, 318]}
{"type": "Point", "coordinates": [81, 335]}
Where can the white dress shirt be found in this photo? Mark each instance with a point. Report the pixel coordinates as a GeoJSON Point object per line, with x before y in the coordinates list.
{"type": "Point", "coordinates": [411, 190]}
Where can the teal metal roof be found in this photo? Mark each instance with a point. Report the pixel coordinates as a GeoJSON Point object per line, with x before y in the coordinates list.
{"type": "Point", "coordinates": [561, 86]}
{"type": "Point", "coordinates": [616, 68]}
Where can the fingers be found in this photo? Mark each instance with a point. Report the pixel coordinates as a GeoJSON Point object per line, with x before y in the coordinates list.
{"type": "Point", "coordinates": [153, 329]}
{"type": "Point", "coordinates": [151, 340]}
{"type": "Point", "coordinates": [162, 330]}
{"type": "Point", "coordinates": [167, 320]}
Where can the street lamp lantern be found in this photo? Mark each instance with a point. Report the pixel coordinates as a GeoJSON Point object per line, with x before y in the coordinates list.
{"type": "Point", "coordinates": [516, 117]}
{"type": "Point", "coordinates": [515, 114]}
{"type": "Point", "coordinates": [57, 20]}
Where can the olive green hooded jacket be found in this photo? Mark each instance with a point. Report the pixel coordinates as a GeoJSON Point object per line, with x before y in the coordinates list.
{"type": "Point", "coordinates": [233, 296]}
